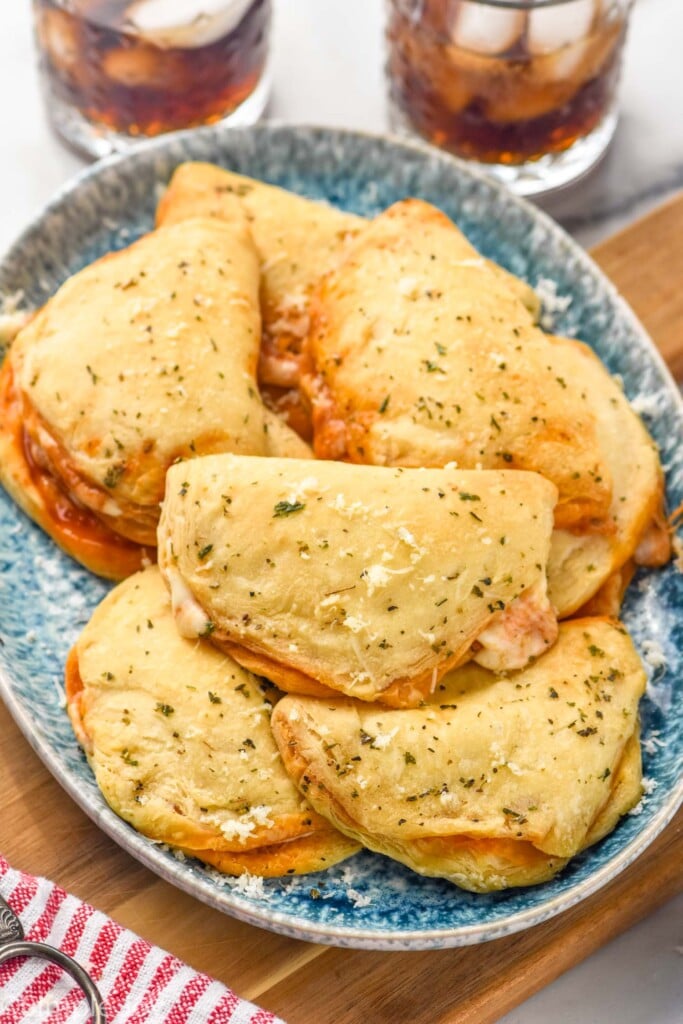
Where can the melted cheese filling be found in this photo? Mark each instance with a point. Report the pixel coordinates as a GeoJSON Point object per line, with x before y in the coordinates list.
{"type": "Point", "coordinates": [519, 634]}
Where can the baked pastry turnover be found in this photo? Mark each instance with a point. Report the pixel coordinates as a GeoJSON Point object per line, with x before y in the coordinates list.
{"type": "Point", "coordinates": [495, 782]}
{"type": "Point", "coordinates": [298, 241]}
{"type": "Point", "coordinates": [421, 355]}
{"type": "Point", "coordinates": [179, 739]}
{"type": "Point", "coordinates": [365, 580]}
{"type": "Point", "coordinates": [582, 566]}
{"type": "Point", "coordinates": [146, 356]}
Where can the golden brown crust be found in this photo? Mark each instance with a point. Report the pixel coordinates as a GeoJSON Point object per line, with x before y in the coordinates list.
{"type": "Point", "coordinates": [368, 580]}
{"type": "Point", "coordinates": [145, 357]}
{"type": "Point", "coordinates": [77, 531]}
{"type": "Point", "coordinates": [283, 676]}
{"type": "Point", "coordinates": [282, 442]}
{"type": "Point", "coordinates": [580, 566]}
{"type": "Point", "coordinates": [608, 599]}
{"type": "Point", "coordinates": [626, 791]}
{"type": "Point", "coordinates": [402, 693]}
{"type": "Point", "coordinates": [655, 544]}
{"type": "Point", "coordinates": [148, 385]}
{"type": "Point", "coordinates": [199, 190]}
{"type": "Point", "coordinates": [73, 688]}
{"type": "Point", "coordinates": [474, 863]}
{"type": "Point", "coordinates": [302, 855]}
{"type": "Point", "coordinates": [297, 240]}
{"type": "Point", "coordinates": [422, 356]}
{"type": "Point", "coordinates": [199, 769]}
{"type": "Point", "coordinates": [493, 782]}
{"type": "Point", "coordinates": [524, 292]}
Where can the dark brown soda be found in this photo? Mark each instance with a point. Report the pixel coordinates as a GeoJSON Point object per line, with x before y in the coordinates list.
{"type": "Point", "coordinates": [498, 109]}
{"type": "Point", "coordinates": [115, 78]}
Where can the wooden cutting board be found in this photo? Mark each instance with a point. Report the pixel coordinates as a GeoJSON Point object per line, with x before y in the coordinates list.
{"type": "Point", "coordinates": [42, 831]}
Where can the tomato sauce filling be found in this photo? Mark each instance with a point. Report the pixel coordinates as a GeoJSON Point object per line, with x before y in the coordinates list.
{"type": "Point", "coordinates": [75, 528]}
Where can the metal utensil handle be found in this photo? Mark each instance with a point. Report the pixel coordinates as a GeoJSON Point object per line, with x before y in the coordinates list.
{"type": "Point", "coordinates": [67, 963]}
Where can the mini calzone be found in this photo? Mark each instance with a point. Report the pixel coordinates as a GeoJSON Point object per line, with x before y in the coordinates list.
{"type": "Point", "coordinates": [495, 782]}
{"type": "Point", "coordinates": [298, 241]}
{"type": "Point", "coordinates": [365, 580]}
{"type": "Point", "coordinates": [583, 564]}
{"type": "Point", "coordinates": [179, 740]}
{"type": "Point", "coordinates": [146, 356]}
{"type": "Point", "coordinates": [421, 355]}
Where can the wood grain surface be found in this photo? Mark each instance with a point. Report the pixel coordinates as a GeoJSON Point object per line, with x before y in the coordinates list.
{"type": "Point", "coordinates": [42, 831]}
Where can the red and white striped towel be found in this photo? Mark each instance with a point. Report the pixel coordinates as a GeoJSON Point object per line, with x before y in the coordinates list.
{"type": "Point", "coordinates": [139, 983]}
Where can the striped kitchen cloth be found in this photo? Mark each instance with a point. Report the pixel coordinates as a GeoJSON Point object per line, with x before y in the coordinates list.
{"type": "Point", "coordinates": [139, 983]}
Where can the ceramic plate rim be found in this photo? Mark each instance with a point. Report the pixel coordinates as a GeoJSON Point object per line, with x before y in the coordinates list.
{"type": "Point", "coordinates": [299, 927]}
{"type": "Point", "coordinates": [148, 852]}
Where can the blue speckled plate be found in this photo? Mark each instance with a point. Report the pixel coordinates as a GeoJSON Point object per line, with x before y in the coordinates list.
{"type": "Point", "coordinates": [45, 598]}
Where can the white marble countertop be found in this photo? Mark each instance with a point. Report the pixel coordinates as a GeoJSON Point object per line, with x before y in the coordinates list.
{"type": "Point", "coordinates": [328, 70]}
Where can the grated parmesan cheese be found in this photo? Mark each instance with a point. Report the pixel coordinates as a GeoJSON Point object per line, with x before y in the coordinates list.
{"type": "Point", "coordinates": [376, 576]}
{"type": "Point", "coordinates": [301, 490]}
{"type": "Point", "coordinates": [243, 827]}
{"type": "Point", "coordinates": [652, 743]}
{"type": "Point", "coordinates": [355, 623]}
{"type": "Point", "coordinates": [648, 405]}
{"type": "Point", "coordinates": [449, 801]}
{"type": "Point", "coordinates": [407, 537]}
{"type": "Point", "coordinates": [358, 899]}
{"type": "Point", "coordinates": [553, 304]}
{"type": "Point", "coordinates": [382, 740]}
{"type": "Point", "coordinates": [653, 654]}
{"type": "Point", "coordinates": [251, 886]}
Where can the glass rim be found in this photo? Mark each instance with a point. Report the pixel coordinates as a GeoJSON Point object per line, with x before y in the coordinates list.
{"type": "Point", "coordinates": [531, 5]}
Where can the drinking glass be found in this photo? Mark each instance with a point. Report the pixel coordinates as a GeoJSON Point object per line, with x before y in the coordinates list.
{"type": "Point", "coordinates": [116, 71]}
{"type": "Point", "coordinates": [527, 89]}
